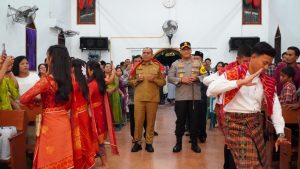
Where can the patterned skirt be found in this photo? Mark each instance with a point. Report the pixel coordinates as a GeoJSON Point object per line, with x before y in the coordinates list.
{"type": "Point", "coordinates": [244, 137]}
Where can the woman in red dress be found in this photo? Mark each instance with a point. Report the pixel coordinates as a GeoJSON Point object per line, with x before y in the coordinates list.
{"type": "Point", "coordinates": [54, 145]}
{"type": "Point", "coordinates": [100, 110]}
{"type": "Point", "coordinates": [83, 149]}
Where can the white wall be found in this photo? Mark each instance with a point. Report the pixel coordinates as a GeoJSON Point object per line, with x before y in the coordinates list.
{"type": "Point", "coordinates": [50, 13]}
{"type": "Point", "coordinates": [285, 14]}
{"type": "Point", "coordinates": [206, 24]}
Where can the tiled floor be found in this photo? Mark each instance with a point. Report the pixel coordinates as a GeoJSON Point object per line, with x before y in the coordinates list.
{"type": "Point", "coordinates": [211, 156]}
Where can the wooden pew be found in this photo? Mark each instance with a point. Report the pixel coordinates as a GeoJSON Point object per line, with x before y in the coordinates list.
{"type": "Point", "coordinates": [286, 151]}
{"type": "Point", "coordinates": [290, 117]}
{"type": "Point", "coordinates": [270, 142]}
{"type": "Point", "coordinates": [15, 118]}
{"type": "Point", "coordinates": [298, 160]}
{"type": "Point", "coordinates": [31, 113]}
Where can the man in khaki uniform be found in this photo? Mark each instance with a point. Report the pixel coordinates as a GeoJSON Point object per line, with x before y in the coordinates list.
{"type": "Point", "coordinates": [146, 78]}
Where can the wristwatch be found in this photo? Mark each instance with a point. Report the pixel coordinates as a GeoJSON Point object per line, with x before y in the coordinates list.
{"type": "Point", "coordinates": [281, 135]}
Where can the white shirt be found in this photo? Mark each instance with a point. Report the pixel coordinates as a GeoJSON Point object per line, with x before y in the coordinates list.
{"type": "Point", "coordinates": [208, 80]}
{"type": "Point", "coordinates": [247, 100]}
{"type": "Point", "coordinates": [25, 83]}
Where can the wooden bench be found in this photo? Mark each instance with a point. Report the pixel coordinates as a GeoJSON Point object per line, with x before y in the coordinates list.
{"type": "Point", "coordinates": [286, 151]}
{"type": "Point", "coordinates": [31, 113]}
{"type": "Point", "coordinates": [15, 118]}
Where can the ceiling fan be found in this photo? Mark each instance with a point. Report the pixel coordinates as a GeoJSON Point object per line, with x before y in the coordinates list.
{"type": "Point", "coordinates": [66, 33]}
{"type": "Point", "coordinates": [23, 15]}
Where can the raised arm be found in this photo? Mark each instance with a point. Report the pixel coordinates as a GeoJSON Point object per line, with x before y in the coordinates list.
{"type": "Point", "coordinates": [220, 85]}
{"type": "Point", "coordinates": [37, 89]}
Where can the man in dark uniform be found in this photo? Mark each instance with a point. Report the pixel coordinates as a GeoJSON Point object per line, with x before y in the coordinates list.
{"type": "Point", "coordinates": [185, 73]}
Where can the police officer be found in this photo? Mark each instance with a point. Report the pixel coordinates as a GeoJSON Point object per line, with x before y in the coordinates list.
{"type": "Point", "coordinates": [186, 74]}
{"type": "Point", "coordinates": [146, 78]}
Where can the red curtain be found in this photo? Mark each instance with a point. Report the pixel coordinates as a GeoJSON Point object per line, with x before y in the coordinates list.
{"type": "Point", "coordinates": [256, 3]}
{"type": "Point", "coordinates": [81, 4]}
{"type": "Point", "coordinates": [87, 3]}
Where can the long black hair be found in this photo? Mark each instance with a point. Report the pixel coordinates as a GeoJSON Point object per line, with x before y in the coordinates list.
{"type": "Point", "coordinates": [16, 66]}
{"type": "Point", "coordinates": [98, 75]}
{"type": "Point", "coordinates": [77, 64]}
{"type": "Point", "coordinates": [61, 71]}
{"type": "Point", "coordinates": [216, 67]}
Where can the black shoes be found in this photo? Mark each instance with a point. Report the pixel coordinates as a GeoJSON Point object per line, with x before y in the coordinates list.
{"type": "Point", "coordinates": [195, 146]}
{"type": "Point", "coordinates": [177, 148]}
{"type": "Point", "coordinates": [149, 148]}
{"type": "Point", "coordinates": [136, 147]}
{"type": "Point", "coordinates": [202, 139]}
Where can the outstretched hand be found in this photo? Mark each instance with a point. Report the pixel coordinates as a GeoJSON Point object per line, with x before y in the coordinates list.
{"type": "Point", "coordinates": [248, 80]}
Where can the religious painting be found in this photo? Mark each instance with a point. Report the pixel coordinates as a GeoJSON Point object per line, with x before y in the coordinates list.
{"type": "Point", "coordinates": [252, 12]}
{"type": "Point", "coordinates": [86, 11]}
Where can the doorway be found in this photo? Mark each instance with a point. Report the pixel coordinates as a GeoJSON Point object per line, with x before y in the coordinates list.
{"type": "Point", "coordinates": [167, 56]}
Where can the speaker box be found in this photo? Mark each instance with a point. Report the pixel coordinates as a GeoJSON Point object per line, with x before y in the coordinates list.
{"type": "Point", "coordinates": [93, 43]}
{"type": "Point", "coordinates": [236, 42]}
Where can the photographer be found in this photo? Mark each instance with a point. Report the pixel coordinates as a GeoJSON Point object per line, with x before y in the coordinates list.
{"type": "Point", "coordinates": [8, 84]}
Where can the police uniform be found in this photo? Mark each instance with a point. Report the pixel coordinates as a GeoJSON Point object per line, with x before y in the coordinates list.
{"type": "Point", "coordinates": [146, 99]}
{"type": "Point", "coordinates": [187, 98]}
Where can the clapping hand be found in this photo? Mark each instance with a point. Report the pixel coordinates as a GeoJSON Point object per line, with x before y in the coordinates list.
{"type": "Point", "coordinates": [186, 80]}
{"type": "Point", "coordinates": [150, 78]}
{"type": "Point", "coordinates": [140, 78]}
{"type": "Point", "coordinates": [193, 78]}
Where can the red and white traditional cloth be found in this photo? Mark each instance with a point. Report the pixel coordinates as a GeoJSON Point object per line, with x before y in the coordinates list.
{"type": "Point", "coordinates": [242, 106]}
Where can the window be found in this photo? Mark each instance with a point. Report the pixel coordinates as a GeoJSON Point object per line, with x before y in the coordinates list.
{"type": "Point", "coordinates": [251, 14]}
{"type": "Point", "coordinates": [88, 13]}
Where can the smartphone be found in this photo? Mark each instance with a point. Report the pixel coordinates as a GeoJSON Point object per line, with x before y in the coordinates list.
{"type": "Point", "coordinates": [4, 51]}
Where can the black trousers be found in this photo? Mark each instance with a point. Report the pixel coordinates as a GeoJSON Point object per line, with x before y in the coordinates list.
{"type": "Point", "coordinates": [228, 159]}
{"type": "Point", "coordinates": [132, 124]}
{"type": "Point", "coordinates": [191, 109]}
{"type": "Point", "coordinates": [203, 111]}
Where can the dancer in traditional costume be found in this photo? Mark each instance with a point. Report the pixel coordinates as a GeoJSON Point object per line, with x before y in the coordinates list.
{"type": "Point", "coordinates": [244, 88]}
{"type": "Point", "coordinates": [83, 149]}
{"type": "Point", "coordinates": [54, 142]}
{"type": "Point", "coordinates": [100, 110]}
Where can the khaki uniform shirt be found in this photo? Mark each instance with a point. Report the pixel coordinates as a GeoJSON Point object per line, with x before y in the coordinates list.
{"type": "Point", "coordinates": [146, 90]}
{"type": "Point", "coordinates": [185, 68]}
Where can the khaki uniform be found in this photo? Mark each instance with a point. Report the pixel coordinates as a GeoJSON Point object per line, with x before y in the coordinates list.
{"type": "Point", "coordinates": [146, 98]}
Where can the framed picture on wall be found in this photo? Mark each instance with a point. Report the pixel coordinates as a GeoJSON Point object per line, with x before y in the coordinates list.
{"type": "Point", "coordinates": [86, 12]}
{"type": "Point", "coordinates": [251, 13]}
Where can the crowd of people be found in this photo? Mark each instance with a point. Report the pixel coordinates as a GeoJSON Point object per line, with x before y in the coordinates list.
{"type": "Point", "coordinates": [84, 103]}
